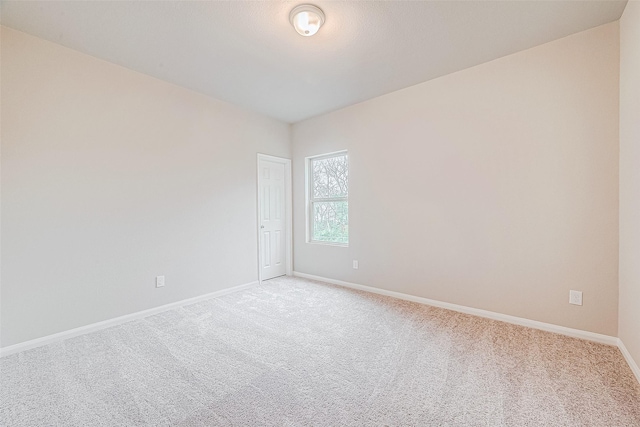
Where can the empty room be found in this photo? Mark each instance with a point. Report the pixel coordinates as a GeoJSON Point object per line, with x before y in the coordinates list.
{"type": "Point", "coordinates": [328, 213]}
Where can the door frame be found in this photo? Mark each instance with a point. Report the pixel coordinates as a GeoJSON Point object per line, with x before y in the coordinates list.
{"type": "Point", "coordinates": [288, 206]}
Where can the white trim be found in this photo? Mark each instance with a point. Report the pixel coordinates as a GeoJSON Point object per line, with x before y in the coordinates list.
{"type": "Point", "coordinates": [632, 363]}
{"type": "Point", "coordinates": [575, 333]}
{"type": "Point", "coordinates": [60, 336]}
{"type": "Point", "coordinates": [327, 155]}
{"type": "Point", "coordinates": [288, 189]}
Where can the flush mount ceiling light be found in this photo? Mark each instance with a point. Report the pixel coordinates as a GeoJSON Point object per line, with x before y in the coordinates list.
{"type": "Point", "coordinates": [306, 19]}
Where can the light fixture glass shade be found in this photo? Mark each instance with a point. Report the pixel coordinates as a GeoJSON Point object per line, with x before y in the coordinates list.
{"type": "Point", "coordinates": [306, 19]}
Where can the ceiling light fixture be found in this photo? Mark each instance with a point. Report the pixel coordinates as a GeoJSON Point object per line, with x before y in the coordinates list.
{"type": "Point", "coordinates": [306, 19]}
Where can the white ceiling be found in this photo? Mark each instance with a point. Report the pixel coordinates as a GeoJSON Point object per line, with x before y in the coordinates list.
{"type": "Point", "coordinates": [247, 53]}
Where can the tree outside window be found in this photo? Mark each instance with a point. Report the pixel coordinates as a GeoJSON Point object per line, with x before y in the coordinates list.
{"type": "Point", "coordinates": [329, 198]}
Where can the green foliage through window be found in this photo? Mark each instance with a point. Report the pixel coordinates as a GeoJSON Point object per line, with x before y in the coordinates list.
{"type": "Point", "coordinates": [329, 199]}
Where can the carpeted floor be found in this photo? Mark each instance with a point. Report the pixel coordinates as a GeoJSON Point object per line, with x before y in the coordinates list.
{"type": "Point", "coordinates": [298, 353]}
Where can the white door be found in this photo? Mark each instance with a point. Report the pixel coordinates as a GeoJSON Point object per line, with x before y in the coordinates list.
{"type": "Point", "coordinates": [272, 220]}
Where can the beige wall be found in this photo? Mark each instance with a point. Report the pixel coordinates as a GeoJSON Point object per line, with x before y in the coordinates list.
{"type": "Point", "coordinates": [111, 177]}
{"type": "Point", "coordinates": [495, 187]}
{"type": "Point", "coordinates": [630, 179]}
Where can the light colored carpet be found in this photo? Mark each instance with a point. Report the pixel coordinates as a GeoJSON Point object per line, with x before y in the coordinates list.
{"type": "Point", "coordinates": [298, 353]}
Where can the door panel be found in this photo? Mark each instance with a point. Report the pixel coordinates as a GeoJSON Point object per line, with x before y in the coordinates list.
{"type": "Point", "coordinates": [272, 220]}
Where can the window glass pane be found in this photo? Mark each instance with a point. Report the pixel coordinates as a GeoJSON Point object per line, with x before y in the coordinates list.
{"type": "Point", "coordinates": [330, 177]}
{"type": "Point", "coordinates": [330, 222]}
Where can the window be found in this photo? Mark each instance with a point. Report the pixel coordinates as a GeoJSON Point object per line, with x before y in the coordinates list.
{"type": "Point", "coordinates": [328, 198]}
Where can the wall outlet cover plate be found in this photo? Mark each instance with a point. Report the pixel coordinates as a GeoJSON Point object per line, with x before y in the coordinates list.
{"type": "Point", "coordinates": [575, 297]}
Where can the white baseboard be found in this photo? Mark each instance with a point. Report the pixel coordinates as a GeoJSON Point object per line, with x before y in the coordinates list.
{"type": "Point", "coordinates": [632, 363]}
{"type": "Point", "coordinates": [575, 333]}
{"type": "Point", "coordinates": [60, 336]}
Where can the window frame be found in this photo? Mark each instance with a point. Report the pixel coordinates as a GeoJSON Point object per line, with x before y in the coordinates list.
{"type": "Point", "coordinates": [310, 199]}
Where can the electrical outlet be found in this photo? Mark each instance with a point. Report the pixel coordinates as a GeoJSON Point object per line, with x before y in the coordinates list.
{"type": "Point", "coordinates": [575, 297]}
{"type": "Point", "coordinates": [159, 281]}
{"type": "Point", "coordinates": [355, 264]}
